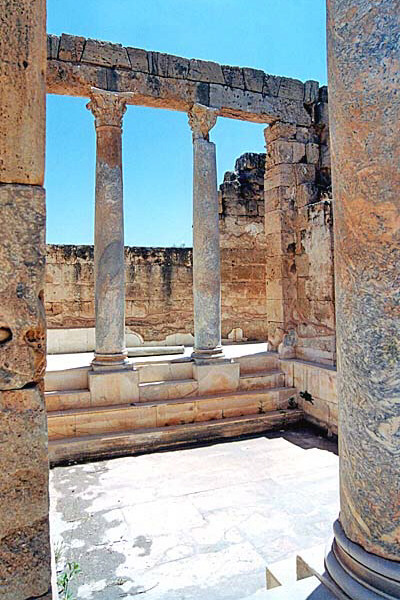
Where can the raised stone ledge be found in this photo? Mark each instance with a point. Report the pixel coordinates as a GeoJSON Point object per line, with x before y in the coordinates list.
{"type": "Point", "coordinates": [75, 64]}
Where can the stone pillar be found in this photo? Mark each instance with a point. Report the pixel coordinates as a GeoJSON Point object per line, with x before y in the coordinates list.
{"type": "Point", "coordinates": [206, 251]}
{"type": "Point", "coordinates": [364, 110]}
{"type": "Point", "coordinates": [108, 109]}
{"type": "Point", "coordinates": [24, 523]}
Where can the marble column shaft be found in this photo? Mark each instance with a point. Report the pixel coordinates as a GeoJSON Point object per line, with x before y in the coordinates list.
{"type": "Point", "coordinates": [109, 265]}
{"type": "Point", "coordinates": [364, 108]}
{"type": "Point", "coordinates": [206, 247]}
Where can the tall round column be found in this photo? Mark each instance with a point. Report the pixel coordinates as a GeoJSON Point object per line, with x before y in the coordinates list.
{"type": "Point", "coordinates": [364, 107]}
{"type": "Point", "coordinates": [109, 269]}
{"type": "Point", "coordinates": [206, 251]}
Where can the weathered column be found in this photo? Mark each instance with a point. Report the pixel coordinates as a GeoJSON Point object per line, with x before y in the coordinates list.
{"type": "Point", "coordinates": [206, 252]}
{"type": "Point", "coordinates": [24, 507]}
{"type": "Point", "coordinates": [364, 109]}
{"type": "Point", "coordinates": [108, 109]}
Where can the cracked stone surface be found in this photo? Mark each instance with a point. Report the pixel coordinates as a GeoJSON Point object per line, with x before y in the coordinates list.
{"type": "Point", "coordinates": [198, 523]}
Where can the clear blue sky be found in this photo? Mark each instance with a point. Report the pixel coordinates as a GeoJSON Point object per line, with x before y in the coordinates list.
{"type": "Point", "coordinates": [282, 37]}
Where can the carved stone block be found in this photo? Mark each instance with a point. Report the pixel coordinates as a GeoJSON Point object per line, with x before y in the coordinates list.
{"type": "Point", "coordinates": [22, 269]}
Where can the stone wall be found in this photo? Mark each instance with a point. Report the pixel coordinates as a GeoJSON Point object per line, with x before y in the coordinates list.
{"type": "Point", "coordinates": [158, 289]}
{"type": "Point", "coordinates": [317, 391]}
{"type": "Point", "coordinates": [243, 248]}
{"type": "Point", "coordinates": [299, 239]}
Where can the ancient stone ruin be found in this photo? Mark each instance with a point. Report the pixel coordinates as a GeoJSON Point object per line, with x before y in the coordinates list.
{"type": "Point", "coordinates": [271, 262]}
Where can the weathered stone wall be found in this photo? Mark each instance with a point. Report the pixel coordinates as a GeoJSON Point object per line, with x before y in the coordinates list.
{"type": "Point", "coordinates": [158, 289]}
{"type": "Point", "coordinates": [299, 238]}
{"type": "Point", "coordinates": [317, 389]}
{"type": "Point", "coordinates": [243, 248]}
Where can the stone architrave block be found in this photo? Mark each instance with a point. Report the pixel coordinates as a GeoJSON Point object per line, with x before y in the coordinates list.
{"type": "Point", "coordinates": [253, 79]}
{"type": "Point", "coordinates": [53, 43]}
{"type": "Point", "coordinates": [71, 47]}
{"type": "Point", "coordinates": [271, 85]}
{"type": "Point", "coordinates": [24, 528]}
{"type": "Point", "coordinates": [203, 70]}
{"type": "Point", "coordinates": [233, 76]}
{"type": "Point", "coordinates": [113, 386]}
{"type": "Point", "coordinates": [291, 88]}
{"type": "Point", "coordinates": [178, 67]}
{"type": "Point", "coordinates": [105, 54]}
{"type": "Point", "coordinates": [217, 376]}
{"type": "Point", "coordinates": [22, 274]}
{"type": "Point", "coordinates": [158, 63]}
{"type": "Point", "coordinates": [23, 91]}
{"type": "Point", "coordinates": [138, 59]}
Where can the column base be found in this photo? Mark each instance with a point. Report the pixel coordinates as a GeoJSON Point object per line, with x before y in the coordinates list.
{"type": "Point", "coordinates": [103, 362]}
{"type": "Point", "coordinates": [361, 575]}
{"type": "Point", "coordinates": [201, 355]}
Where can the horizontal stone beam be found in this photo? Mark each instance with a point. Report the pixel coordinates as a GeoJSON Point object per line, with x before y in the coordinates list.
{"type": "Point", "coordinates": [76, 64]}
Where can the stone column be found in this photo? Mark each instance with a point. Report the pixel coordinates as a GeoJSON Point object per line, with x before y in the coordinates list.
{"type": "Point", "coordinates": [206, 251]}
{"type": "Point", "coordinates": [364, 109]}
{"type": "Point", "coordinates": [24, 508]}
{"type": "Point", "coordinates": [108, 109]}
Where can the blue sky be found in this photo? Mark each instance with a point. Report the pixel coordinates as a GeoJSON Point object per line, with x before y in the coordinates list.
{"type": "Point", "coordinates": [282, 37]}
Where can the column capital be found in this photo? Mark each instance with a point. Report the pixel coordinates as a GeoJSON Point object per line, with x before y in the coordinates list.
{"type": "Point", "coordinates": [108, 108]}
{"type": "Point", "coordinates": [201, 120]}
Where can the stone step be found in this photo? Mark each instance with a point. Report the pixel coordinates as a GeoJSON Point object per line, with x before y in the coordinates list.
{"type": "Point", "coordinates": [165, 371]}
{"type": "Point", "coordinates": [136, 441]}
{"type": "Point", "coordinates": [262, 361]}
{"type": "Point", "coordinates": [261, 379]}
{"type": "Point", "coordinates": [167, 390]}
{"type": "Point", "coordinates": [67, 399]}
{"type": "Point", "coordinates": [161, 413]}
{"type": "Point", "coordinates": [68, 379]}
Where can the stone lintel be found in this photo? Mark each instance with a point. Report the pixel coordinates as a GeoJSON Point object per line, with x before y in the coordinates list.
{"type": "Point", "coordinates": [75, 65]}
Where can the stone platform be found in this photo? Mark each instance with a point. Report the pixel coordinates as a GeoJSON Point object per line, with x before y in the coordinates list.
{"type": "Point", "coordinates": [163, 402]}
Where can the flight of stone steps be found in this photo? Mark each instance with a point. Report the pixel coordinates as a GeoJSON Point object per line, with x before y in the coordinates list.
{"type": "Point", "coordinates": [169, 412]}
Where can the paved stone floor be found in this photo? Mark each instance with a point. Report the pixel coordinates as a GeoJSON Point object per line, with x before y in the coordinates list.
{"type": "Point", "coordinates": [195, 524]}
